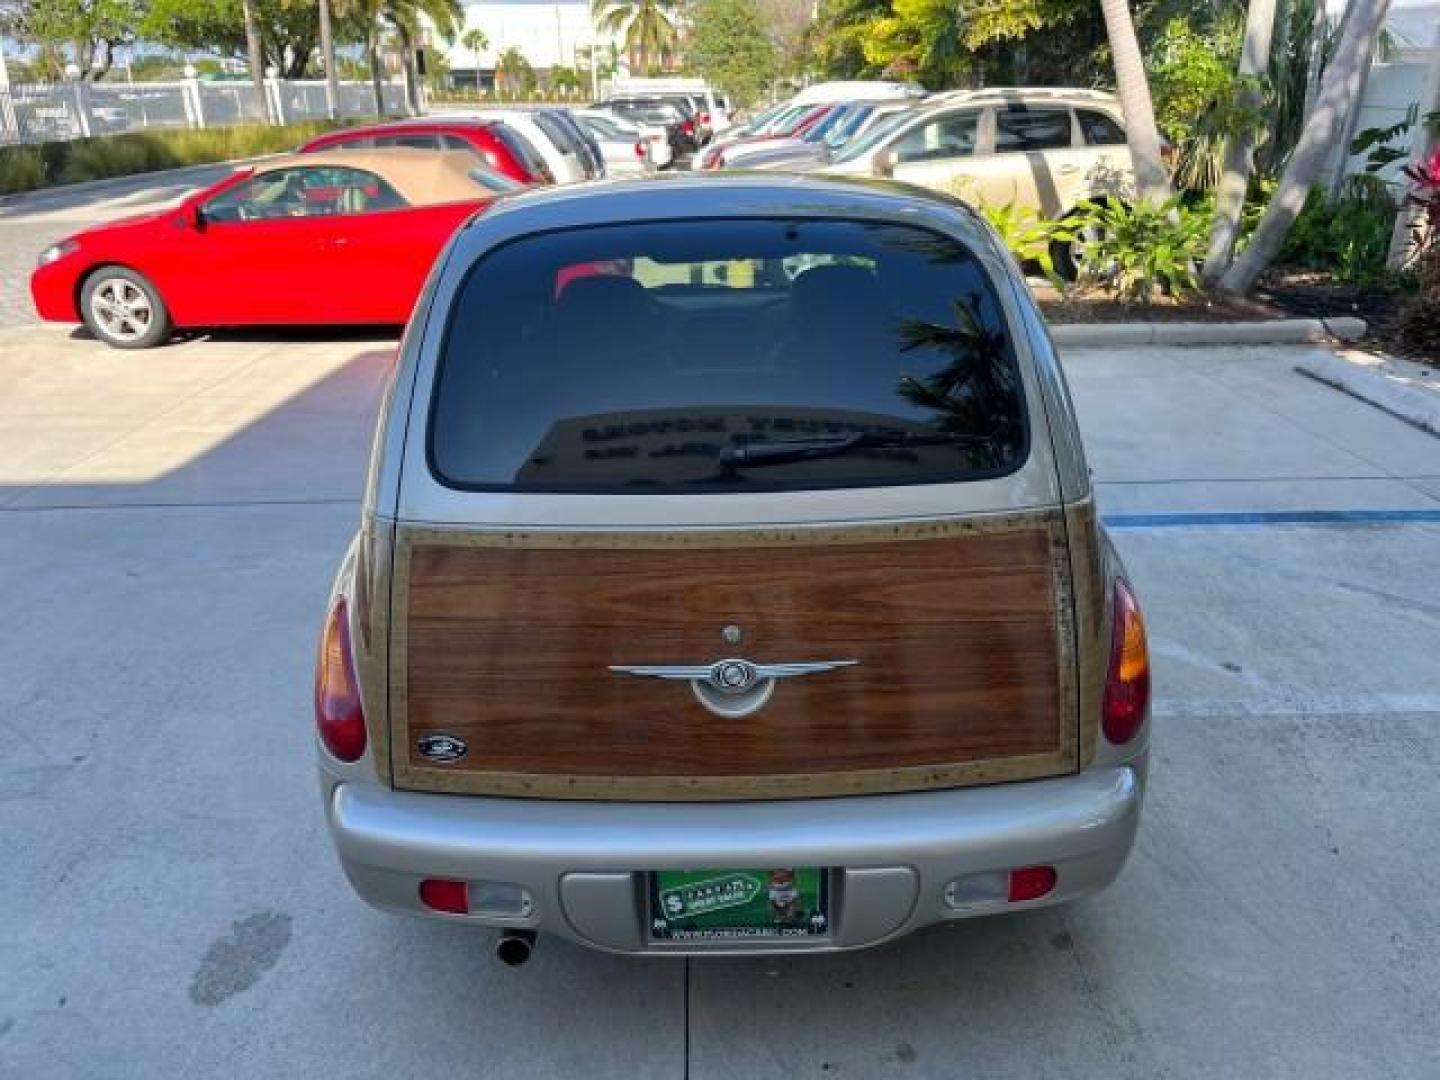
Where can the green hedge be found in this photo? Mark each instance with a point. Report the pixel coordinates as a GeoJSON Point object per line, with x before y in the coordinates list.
{"type": "Point", "coordinates": [25, 168]}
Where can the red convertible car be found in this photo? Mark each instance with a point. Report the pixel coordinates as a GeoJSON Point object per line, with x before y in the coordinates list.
{"type": "Point", "coordinates": [346, 238]}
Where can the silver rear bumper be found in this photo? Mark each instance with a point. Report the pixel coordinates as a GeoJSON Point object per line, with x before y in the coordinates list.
{"type": "Point", "coordinates": [583, 862]}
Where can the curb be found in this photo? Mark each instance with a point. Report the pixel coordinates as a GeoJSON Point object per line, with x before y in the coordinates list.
{"type": "Point", "coordinates": [1264, 332]}
{"type": "Point", "coordinates": [1419, 408]}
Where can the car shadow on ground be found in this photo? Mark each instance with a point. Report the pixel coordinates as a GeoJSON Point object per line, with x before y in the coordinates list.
{"type": "Point", "coordinates": [270, 335]}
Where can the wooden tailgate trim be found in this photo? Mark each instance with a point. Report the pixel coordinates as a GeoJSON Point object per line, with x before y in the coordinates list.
{"type": "Point", "coordinates": [557, 607]}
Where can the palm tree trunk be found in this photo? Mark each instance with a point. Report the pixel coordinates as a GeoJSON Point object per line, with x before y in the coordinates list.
{"type": "Point", "coordinates": [1358, 32]}
{"type": "Point", "coordinates": [255, 57]}
{"type": "Point", "coordinates": [407, 66]}
{"type": "Point", "coordinates": [1347, 132]}
{"type": "Point", "coordinates": [327, 53]}
{"type": "Point", "coordinates": [372, 50]}
{"type": "Point", "coordinates": [1152, 185]}
{"type": "Point", "coordinates": [1240, 146]}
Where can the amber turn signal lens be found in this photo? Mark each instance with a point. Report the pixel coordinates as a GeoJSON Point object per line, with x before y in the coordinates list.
{"type": "Point", "coordinates": [1127, 686]}
{"type": "Point", "coordinates": [339, 717]}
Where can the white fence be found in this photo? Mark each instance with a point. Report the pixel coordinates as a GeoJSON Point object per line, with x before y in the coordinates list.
{"type": "Point", "coordinates": [46, 112]}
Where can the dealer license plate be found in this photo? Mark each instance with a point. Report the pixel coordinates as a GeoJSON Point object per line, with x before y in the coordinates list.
{"type": "Point", "coordinates": [732, 905]}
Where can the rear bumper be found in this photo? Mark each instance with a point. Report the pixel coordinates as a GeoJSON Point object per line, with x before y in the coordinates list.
{"type": "Point", "coordinates": [582, 863]}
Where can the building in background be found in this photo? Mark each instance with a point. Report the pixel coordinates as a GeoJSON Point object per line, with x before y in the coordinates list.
{"type": "Point", "coordinates": [548, 34]}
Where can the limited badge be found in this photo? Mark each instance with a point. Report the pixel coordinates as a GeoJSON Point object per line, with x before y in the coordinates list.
{"type": "Point", "coordinates": [441, 748]}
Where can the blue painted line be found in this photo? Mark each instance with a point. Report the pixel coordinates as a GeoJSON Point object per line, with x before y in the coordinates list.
{"type": "Point", "coordinates": [1271, 517]}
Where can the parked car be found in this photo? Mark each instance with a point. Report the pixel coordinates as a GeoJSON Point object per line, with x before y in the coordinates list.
{"type": "Point", "coordinates": [792, 123]}
{"type": "Point", "coordinates": [689, 135]}
{"type": "Point", "coordinates": [714, 107]}
{"type": "Point", "coordinates": [500, 147]}
{"type": "Point", "coordinates": [729, 579]}
{"type": "Point", "coordinates": [1044, 149]}
{"type": "Point", "coordinates": [565, 155]}
{"type": "Point", "coordinates": [655, 114]}
{"type": "Point", "coordinates": [655, 137]}
{"type": "Point", "coordinates": [812, 147]}
{"type": "Point", "coordinates": [625, 150]}
{"type": "Point", "coordinates": [339, 237]}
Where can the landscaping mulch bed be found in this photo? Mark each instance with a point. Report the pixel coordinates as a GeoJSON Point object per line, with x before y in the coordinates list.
{"type": "Point", "coordinates": [1281, 294]}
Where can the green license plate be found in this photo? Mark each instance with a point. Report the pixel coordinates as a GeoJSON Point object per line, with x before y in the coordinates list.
{"type": "Point", "coordinates": [729, 905]}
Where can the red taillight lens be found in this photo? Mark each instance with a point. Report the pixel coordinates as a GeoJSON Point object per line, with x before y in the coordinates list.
{"type": "Point", "coordinates": [688, 127]}
{"type": "Point", "coordinates": [640, 150]}
{"type": "Point", "coordinates": [1127, 688]}
{"type": "Point", "coordinates": [441, 894]}
{"type": "Point", "coordinates": [1031, 883]}
{"type": "Point", "coordinates": [338, 714]}
{"type": "Point", "coordinates": [704, 119]}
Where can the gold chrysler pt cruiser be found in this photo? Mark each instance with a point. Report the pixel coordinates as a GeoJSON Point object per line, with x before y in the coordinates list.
{"type": "Point", "coordinates": [729, 580]}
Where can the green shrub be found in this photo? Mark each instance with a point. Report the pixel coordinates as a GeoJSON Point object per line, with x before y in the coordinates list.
{"type": "Point", "coordinates": [1141, 250]}
{"type": "Point", "coordinates": [21, 169]}
{"type": "Point", "coordinates": [24, 168]}
{"type": "Point", "coordinates": [1026, 233]}
{"type": "Point", "coordinates": [1349, 240]}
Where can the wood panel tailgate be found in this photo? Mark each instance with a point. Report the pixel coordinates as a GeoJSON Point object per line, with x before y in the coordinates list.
{"type": "Point", "coordinates": [961, 635]}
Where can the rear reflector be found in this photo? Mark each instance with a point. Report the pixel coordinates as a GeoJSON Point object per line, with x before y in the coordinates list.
{"type": "Point", "coordinates": [339, 718]}
{"type": "Point", "coordinates": [1127, 686]}
{"type": "Point", "coordinates": [442, 894]}
{"type": "Point", "coordinates": [994, 886]}
{"type": "Point", "coordinates": [1031, 883]}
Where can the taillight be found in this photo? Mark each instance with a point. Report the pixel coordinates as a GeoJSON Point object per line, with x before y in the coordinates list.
{"type": "Point", "coordinates": [640, 150]}
{"type": "Point", "coordinates": [704, 119]}
{"type": "Point", "coordinates": [338, 714]}
{"type": "Point", "coordinates": [1127, 687]}
{"type": "Point", "coordinates": [443, 894]}
{"type": "Point", "coordinates": [1030, 883]}
{"type": "Point", "coordinates": [688, 127]}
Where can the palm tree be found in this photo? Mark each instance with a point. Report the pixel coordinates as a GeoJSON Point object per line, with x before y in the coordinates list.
{"type": "Point", "coordinates": [514, 72]}
{"type": "Point", "coordinates": [327, 53]}
{"type": "Point", "coordinates": [1152, 185]}
{"type": "Point", "coordinates": [446, 16]}
{"type": "Point", "coordinates": [648, 25]}
{"type": "Point", "coordinates": [255, 56]}
{"type": "Point", "coordinates": [1240, 146]}
{"type": "Point", "coordinates": [1359, 31]}
{"type": "Point", "coordinates": [476, 41]}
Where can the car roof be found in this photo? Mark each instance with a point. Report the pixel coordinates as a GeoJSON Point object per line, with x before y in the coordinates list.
{"type": "Point", "coordinates": [410, 123]}
{"type": "Point", "coordinates": [1025, 95]}
{"type": "Point", "coordinates": [668, 196]}
{"type": "Point", "coordinates": [422, 177]}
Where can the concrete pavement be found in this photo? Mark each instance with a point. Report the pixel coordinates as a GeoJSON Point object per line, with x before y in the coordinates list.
{"type": "Point", "coordinates": [168, 525]}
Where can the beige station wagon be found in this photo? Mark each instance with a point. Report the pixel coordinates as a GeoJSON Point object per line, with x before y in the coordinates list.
{"type": "Point", "coordinates": [1046, 150]}
{"type": "Point", "coordinates": [729, 580]}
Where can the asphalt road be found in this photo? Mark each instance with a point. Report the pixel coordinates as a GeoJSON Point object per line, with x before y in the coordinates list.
{"type": "Point", "coordinates": [170, 906]}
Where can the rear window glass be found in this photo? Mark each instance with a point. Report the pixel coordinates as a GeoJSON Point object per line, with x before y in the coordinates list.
{"type": "Point", "coordinates": [723, 356]}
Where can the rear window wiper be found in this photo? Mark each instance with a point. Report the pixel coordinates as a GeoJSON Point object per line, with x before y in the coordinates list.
{"type": "Point", "coordinates": [782, 451]}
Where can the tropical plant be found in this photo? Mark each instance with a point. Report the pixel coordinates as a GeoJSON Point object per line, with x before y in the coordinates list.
{"type": "Point", "coordinates": [514, 75]}
{"type": "Point", "coordinates": [1422, 202]}
{"type": "Point", "coordinates": [1143, 249]}
{"type": "Point", "coordinates": [649, 28]}
{"type": "Point", "coordinates": [1347, 240]}
{"type": "Point", "coordinates": [1028, 235]}
{"type": "Point", "coordinates": [91, 29]}
{"type": "Point", "coordinates": [477, 42]}
{"type": "Point", "coordinates": [1359, 31]}
{"type": "Point", "coordinates": [446, 18]}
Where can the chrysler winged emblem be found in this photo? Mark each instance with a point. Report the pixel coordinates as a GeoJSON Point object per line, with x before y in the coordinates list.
{"type": "Point", "coordinates": [731, 687]}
